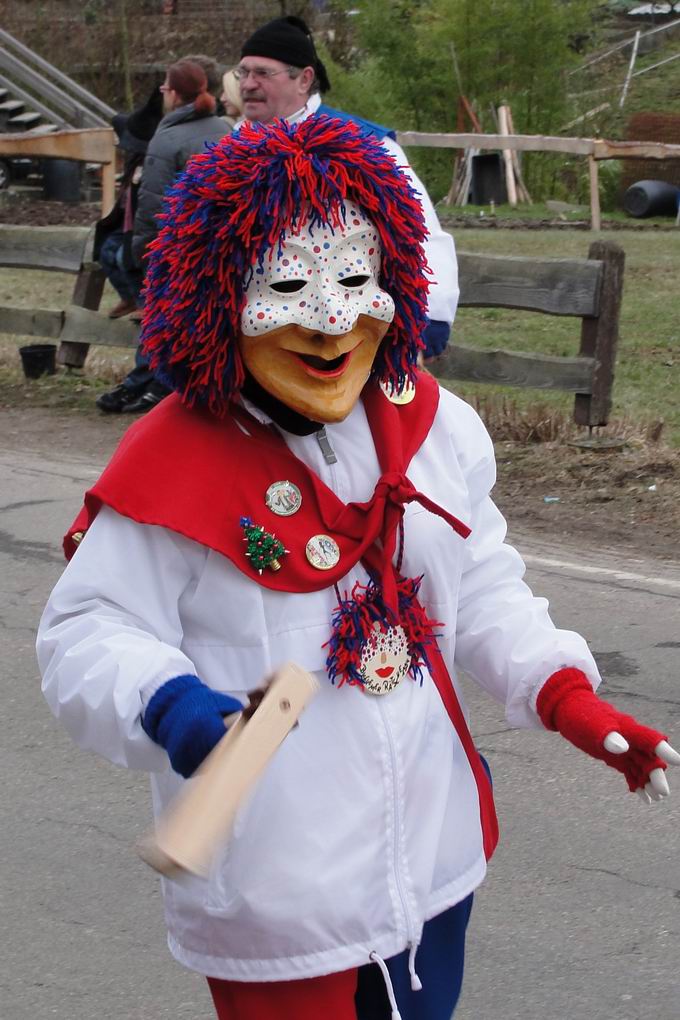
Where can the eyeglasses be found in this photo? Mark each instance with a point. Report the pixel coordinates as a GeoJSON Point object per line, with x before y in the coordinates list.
{"type": "Point", "coordinates": [258, 73]}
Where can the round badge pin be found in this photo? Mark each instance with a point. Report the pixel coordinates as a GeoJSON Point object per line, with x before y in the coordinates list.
{"type": "Point", "coordinates": [323, 552]}
{"type": "Point", "coordinates": [283, 498]}
{"type": "Point", "coordinates": [402, 396]}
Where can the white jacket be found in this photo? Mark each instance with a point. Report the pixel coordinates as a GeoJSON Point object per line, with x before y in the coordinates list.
{"type": "Point", "coordinates": [366, 822]}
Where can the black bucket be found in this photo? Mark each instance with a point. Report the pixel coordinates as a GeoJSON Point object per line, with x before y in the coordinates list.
{"type": "Point", "coordinates": [62, 180]}
{"type": "Point", "coordinates": [38, 359]}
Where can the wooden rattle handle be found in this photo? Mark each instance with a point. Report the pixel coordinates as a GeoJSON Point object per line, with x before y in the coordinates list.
{"type": "Point", "coordinates": [188, 833]}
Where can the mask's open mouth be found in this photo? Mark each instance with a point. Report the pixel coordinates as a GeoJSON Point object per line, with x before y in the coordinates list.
{"type": "Point", "coordinates": [320, 368]}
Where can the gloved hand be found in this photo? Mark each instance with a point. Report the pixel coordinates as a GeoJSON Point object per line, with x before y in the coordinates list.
{"type": "Point", "coordinates": [187, 718]}
{"type": "Point", "coordinates": [568, 704]}
{"type": "Point", "coordinates": [435, 337]}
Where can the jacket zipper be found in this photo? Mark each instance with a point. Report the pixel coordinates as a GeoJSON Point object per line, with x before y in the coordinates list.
{"type": "Point", "coordinates": [331, 460]}
{"type": "Point", "coordinates": [397, 827]}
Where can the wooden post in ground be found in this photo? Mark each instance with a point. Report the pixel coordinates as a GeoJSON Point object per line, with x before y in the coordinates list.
{"type": "Point", "coordinates": [507, 157]}
{"type": "Point", "coordinates": [600, 336]}
{"type": "Point", "coordinates": [595, 218]}
{"type": "Point", "coordinates": [522, 189]}
{"type": "Point", "coordinates": [87, 293]}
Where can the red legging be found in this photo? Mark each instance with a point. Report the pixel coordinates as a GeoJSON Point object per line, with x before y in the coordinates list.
{"type": "Point", "coordinates": [324, 998]}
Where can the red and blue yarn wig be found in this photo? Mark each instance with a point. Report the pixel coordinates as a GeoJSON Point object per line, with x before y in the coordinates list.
{"type": "Point", "coordinates": [234, 202]}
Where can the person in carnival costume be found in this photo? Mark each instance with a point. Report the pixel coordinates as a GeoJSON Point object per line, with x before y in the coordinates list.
{"type": "Point", "coordinates": [281, 75]}
{"type": "Point", "coordinates": [308, 494]}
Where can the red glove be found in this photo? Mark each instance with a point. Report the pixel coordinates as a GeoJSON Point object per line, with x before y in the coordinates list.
{"type": "Point", "coordinates": [567, 703]}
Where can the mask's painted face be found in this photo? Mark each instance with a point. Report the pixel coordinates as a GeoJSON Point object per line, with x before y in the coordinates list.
{"type": "Point", "coordinates": [385, 659]}
{"type": "Point", "coordinates": [315, 316]}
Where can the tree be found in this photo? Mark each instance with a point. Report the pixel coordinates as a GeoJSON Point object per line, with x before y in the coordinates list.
{"type": "Point", "coordinates": [506, 52]}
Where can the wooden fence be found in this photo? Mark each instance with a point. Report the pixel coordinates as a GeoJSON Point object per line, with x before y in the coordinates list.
{"type": "Point", "coordinates": [65, 250]}
{"type": "Point", "coordinates": [594, 149]}
{"type": "Point", "coordinates": [588, 289]}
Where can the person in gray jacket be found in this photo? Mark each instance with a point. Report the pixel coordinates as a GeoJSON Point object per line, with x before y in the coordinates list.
{"type": "Point", "coordinates": [190, 121]}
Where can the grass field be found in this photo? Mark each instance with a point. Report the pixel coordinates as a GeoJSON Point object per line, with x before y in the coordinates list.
{"type": "Point", "coordinates": [647, 382]}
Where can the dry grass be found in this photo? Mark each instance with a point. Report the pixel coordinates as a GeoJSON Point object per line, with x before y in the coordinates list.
{"type": "Point", "coordinates": [627, 495]}
{"type": "Point", "coordinates": [509, 421]}
{"type": "Point", "coordinates": [69, 389]}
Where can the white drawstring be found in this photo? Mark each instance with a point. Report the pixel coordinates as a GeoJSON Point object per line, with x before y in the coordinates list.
{"type": "Point", "coordinates": [416, 983]}
{"type": "Point", "coordinates": [396, 1015]}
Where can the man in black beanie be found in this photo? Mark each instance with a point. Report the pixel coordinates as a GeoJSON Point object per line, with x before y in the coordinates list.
{"type": "Point", "coordinates": [286, 42]}
{"type": "Point", "coordinates": [281, 75]}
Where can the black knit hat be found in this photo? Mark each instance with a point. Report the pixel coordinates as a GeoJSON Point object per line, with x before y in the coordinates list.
{"type": "Point", "coordinates": [290, 41]}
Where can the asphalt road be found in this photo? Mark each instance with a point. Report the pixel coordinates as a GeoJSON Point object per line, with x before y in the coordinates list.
{"type": "Point", "coordinates": [579, 916]}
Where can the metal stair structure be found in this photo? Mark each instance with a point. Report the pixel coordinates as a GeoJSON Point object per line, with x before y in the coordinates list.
{"type": "Point", "coordinates": [37, 98]}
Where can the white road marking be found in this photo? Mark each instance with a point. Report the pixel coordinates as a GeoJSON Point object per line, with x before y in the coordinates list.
{"type": "Point", "coordinates": [584, 568]}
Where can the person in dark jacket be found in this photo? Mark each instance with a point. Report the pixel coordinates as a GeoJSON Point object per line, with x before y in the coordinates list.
{"type": "Point", "coordinates": [113, 233]}
{"type": "Point", "coordinates": [190, 121]}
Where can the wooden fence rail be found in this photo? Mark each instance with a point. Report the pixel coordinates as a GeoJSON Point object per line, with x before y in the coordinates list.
{"type": "Point", "coordinates": [588, 289]}
{"type": "Point", "coordinates": [595, 149]}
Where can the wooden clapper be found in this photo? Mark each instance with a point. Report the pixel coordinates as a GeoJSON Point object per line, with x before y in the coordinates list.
{"type": "Point", "coordinates": [199, 819]}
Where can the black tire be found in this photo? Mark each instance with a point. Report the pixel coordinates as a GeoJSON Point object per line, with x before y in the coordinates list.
{"type": "Point", "coordinates": [5, 174]}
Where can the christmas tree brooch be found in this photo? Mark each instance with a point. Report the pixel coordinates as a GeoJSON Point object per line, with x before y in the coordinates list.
{"type": "Point", "coordinates": [263, 549]}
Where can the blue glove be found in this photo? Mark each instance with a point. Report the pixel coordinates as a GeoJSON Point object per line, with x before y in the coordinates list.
{"type": "Point", "coordinates": [436, 337]}
{"type": "Point", "coordinates": [187, 718]}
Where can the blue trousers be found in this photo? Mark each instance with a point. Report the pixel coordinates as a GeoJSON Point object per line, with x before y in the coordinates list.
{"type": "Point", "coordinates": [439, 965]}
{"type": "Point", "coordinates": [127, 282]}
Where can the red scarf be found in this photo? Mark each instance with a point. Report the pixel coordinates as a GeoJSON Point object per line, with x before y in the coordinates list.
{"type": "Point", "coordinates": [199, 475]}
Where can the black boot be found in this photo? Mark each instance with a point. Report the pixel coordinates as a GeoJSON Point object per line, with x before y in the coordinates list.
{"type": "Point", "coordinates": [117, 400]}
{"type": "Point", "coordinates": [148, 400]}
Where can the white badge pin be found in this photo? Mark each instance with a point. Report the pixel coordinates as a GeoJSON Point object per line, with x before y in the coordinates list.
{"type": "Point", "coordinates": [283, 498]}
{"type": "Point", "coordinates": [323, 552]}
{"type": "Point", "coordinates": [403, 396]}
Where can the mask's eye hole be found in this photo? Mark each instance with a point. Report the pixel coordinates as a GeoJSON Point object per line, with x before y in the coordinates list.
{"type": "Point", "coordinates": [354, 281]}
{"type": "Point", "coordinates": [288, 286]}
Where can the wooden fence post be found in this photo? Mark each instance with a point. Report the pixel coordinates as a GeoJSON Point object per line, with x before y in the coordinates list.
{"type": "Point", "coordinates": [87, 293]}
{"type": "Point", "coordinates": [600, 336]}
